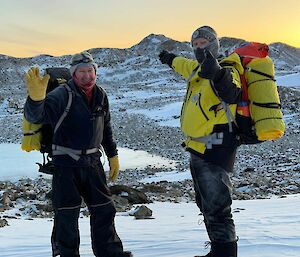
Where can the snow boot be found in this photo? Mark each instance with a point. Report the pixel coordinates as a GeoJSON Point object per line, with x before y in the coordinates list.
{"type": "Point", "coordinates": [222, 250]}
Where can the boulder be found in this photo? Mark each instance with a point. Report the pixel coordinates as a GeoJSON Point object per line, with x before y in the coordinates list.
{"type": "Point", "coordinates": [133, 196]}
{"type": "Point", "coordinates": [141, 212]}
{"type": "Point", "coordinates": [3, 223]}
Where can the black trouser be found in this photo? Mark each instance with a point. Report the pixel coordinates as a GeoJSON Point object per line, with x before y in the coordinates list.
{"type": "Point", "coordinates": [213, 196]}
{"type": "Point", "coordinates": [69, 185]}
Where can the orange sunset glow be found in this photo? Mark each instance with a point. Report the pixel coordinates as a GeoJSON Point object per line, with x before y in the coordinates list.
{"type": "Point", "coordinates": [32, 27]}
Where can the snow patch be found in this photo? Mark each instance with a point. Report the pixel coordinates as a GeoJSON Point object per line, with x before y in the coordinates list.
{"type": "Point", "coordinates": [16, 164]}
{"type": "Point", "coordinates": [292, 80]}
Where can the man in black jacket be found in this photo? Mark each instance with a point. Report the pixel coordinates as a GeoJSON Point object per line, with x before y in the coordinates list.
{"type": "Point", "coordinates": [207, 117]}
{"type": "Point", "coordinates": [77, 141]}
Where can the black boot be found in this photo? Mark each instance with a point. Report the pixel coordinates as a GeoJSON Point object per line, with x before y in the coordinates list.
{"type": "Point", "coordinates": [222, 250]}
{"type": "Point", "coordinates": [125, 254]}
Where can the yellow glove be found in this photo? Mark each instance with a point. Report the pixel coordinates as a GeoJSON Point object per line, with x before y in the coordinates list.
{"type": "Point", "coordinates": [36, 84]}
{"type": "Point", "coordinates": [114, 167]}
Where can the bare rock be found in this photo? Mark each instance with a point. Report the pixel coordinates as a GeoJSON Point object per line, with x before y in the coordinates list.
{"type": "Point", "coordinates": [133, 196]}
{"type": "Point", "coordinates": [121, 203]}
{"type": "Point", "coordinates": [46, 207]}
{"type": "Point", "coordinates": [6, 199]}
{"type": "Point", "coordinates": [3, 223]}
{"type": "Point", "coordinates": [142, 212]}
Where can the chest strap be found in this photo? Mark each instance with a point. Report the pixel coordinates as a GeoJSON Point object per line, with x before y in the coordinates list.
{"type": "Point", "coordinates": [73, 153]}
{"type": "Point", "coordinates": [210, 140]}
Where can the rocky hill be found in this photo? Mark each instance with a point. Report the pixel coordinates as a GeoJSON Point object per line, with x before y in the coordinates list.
{"type": "Point", "coordinates": [138, 83]}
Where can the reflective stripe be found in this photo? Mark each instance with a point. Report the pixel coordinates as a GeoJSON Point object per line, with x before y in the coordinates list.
{"type": "Point", "coordinates": [73, 153]}
{"type": "Point", "coordinates": [210, 140]}
{"type": "Point", "coordinates": [69, 208]}
{"type": "Point", "coordinates": [101, 204]}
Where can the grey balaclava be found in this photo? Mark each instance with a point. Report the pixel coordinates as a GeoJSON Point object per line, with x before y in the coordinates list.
{"type": "Point", "coordinates": [211, 35]}
{"type": "Point", "coordinates": [80, 60]}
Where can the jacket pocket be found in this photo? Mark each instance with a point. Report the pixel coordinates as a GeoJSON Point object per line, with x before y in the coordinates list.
{"type": "Point", "coordinates": [201, 108]}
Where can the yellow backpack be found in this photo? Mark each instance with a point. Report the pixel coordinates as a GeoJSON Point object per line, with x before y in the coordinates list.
{"type": "Point", "coordinates": [39, 136]}
{"type": "Point", "coordinates": [32, 136]}
{"type": "Point", "coordinates": [259, 116]}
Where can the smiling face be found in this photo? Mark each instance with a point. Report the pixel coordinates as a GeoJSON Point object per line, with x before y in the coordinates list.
{"type": "Point", "coordinates": [85, 75]}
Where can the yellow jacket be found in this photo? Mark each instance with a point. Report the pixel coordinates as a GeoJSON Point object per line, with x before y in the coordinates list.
{"type": "Point", "coordinates": [201, 109]}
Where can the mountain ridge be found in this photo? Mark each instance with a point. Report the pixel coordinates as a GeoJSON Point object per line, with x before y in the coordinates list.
{"type": "Point", "coordinates": [152, 35]}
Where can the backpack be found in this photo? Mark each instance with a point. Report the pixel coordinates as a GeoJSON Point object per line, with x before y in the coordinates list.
{"type": "Point", "coordinates": [39, 136]}
{"type": "Point", "coordinates": [259, 117]}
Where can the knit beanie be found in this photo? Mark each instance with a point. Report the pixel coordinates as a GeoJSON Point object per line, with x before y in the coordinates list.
{"type": "Point", "coordinates": [81, 60]}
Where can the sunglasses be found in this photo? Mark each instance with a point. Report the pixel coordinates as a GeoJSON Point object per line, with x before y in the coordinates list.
{"type": "Point", "coordinates": [85, 59]}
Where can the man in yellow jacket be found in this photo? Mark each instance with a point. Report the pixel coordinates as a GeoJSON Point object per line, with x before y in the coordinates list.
{"type": "Point", "coordinates": [207, 120]}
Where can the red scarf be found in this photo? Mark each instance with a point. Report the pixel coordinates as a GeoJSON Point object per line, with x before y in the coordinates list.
{"type": "Point", "coordinates": [87, 88]}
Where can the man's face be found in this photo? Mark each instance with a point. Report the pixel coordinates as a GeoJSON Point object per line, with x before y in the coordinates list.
{"type": "Point", "coordinates": [85, 75]}
{"type": "Point", "coordinates": [200, 43]}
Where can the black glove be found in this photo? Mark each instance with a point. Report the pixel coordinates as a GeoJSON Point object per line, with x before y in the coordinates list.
{"type": "Point", "coordinates": [166, 58]}
{"type": "Point", "coordinates": [210, 68]}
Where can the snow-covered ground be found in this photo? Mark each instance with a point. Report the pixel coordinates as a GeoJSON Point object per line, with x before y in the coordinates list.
{"type": "Point", "coordinates": [266, 228]}
{"type": "Point", "coordinates": [168, 115]}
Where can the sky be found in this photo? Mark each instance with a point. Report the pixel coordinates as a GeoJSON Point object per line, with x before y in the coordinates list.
{"type": "Point", "coordinates": [58, 27]}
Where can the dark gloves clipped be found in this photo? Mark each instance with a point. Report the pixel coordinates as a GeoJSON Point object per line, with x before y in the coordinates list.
{"type": "Point", "coordinates": [210, 68]}
{"type": "Point", "coordinates": [166, 58]}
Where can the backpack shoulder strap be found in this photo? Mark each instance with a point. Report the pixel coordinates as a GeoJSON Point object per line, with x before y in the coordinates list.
{"type": "Point", "coordinates": [103, 92]}
{"type": "Point", "coordinates": [192, 74]}
{"type": "Point", "coordinates": [67, 109]}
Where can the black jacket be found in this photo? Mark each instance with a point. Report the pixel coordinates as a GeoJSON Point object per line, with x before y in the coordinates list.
{"type": "Point", "coordinates": [84, 127]}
